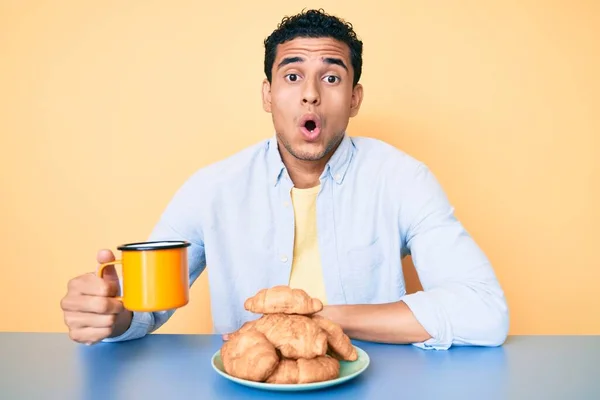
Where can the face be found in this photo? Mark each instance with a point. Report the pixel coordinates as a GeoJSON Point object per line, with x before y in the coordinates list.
{"type": "Point", "coordinates": [311, 96]}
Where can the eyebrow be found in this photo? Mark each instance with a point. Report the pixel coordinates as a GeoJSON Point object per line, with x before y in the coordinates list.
{"type": "Point", "coordinates": [289, 60]}
{"type": "Point", "coordinates": [327, 60]}
{"type": "Point", "coordinates": [335, 61]}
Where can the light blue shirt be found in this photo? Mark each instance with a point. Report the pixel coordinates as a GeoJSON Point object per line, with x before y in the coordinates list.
{"type": "Point", "coordinates": [375, 205]}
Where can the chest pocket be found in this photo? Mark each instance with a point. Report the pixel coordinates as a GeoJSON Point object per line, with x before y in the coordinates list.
{"type": "Point", "coordinates": [361, 271]}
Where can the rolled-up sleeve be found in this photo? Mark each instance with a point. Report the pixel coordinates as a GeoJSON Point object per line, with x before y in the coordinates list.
{"type": "Point", "coordinates": [142, 323]}
{"type": "Point", "coordinates": [462, 302]}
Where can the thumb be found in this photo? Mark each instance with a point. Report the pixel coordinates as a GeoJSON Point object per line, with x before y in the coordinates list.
{"type": "Point", "coordinates": [110, 273]}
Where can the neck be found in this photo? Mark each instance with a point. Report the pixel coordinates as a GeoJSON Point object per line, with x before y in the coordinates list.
{"type": "Point", "coordinates": [303, 173]}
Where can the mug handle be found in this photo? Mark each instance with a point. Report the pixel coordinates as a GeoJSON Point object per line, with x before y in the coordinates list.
{"type": "Point", "coordinates": [100, 272]}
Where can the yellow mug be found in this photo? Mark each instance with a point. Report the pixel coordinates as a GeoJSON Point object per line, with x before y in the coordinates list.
{"type": "Point", "coordinates": [155, 275]}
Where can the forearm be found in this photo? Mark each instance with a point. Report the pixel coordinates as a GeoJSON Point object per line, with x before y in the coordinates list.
{"type": "Point", "coordinates": [384, 323]}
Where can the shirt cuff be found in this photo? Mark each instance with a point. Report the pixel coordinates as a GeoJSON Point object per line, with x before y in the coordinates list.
{"type": "Point", "coordinates": [432, 318]}
{"type": "Point", "coordinates": [139, 327]}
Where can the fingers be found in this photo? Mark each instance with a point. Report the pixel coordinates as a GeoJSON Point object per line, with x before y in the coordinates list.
{"type": "Point", "coordinates": [91, 304]}
{"type": "Point", "coordinates": [78, 320]}
{"type": "Point", "coordinates": [92, 285]}
{"type": "Point", "coordinates": [89, 335]}
{"type": "Point", "coordinates": [90, 309]}
{"type": "Point", "coordinates": [225, 337]}
{"type": "Point", "coordinates": [104, 256]}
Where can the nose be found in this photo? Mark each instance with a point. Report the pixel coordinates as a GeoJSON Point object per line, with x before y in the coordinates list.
{"type": "Point", "coordinates": [311, 94]}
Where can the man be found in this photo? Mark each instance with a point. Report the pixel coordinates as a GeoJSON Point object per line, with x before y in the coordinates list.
{"type": "Point", "coordinates": [318, 210]}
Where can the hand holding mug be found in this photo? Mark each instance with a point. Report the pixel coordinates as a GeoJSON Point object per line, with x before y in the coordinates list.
{"type": "Point", "coordinates": [155, 278]}
{"type": "Point", "coordinates": [90, 308]}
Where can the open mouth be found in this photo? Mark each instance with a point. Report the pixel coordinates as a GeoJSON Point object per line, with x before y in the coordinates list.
{"type": "Point", "coordinates": [310, 125]}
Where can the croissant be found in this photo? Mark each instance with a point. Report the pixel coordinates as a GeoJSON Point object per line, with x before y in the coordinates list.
{"type": "Point", "coordinates": [283, 299]}
{"type": "Point", "coordinates": [249, 355]}
{"type": "Point", "coordinates": [339, 343]}
{"type": "Point", "coordinates": [295, 336]}
{"type": "Point", "coordinates": [317, 369]}
{"type": "Point", "coordinates": [244, 328]}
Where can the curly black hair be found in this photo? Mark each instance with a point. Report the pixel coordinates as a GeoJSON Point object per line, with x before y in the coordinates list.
{"type": "Point", "coordinates": [314, 24]}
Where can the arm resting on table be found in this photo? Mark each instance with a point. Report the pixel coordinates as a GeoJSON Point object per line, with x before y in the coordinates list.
{"type": "Point", "coordinates": [384, 323]}
{"type": "Point", "coordinates": [462, 302]}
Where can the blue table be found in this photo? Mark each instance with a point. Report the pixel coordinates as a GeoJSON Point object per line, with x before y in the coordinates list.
{"type": "Point", "coordinates": [50, 366]}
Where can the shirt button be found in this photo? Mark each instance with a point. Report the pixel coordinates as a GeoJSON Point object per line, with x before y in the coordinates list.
{"type": "Point", "coordinates": [337, 177]}
{"type": "Point", "coordinates": [284, 259]}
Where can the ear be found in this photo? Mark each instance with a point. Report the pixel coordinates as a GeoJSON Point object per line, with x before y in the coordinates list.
{"type": "Point", "coordinates": [266, 95]}
{"type": "Point", "coordinates": [357, 97]}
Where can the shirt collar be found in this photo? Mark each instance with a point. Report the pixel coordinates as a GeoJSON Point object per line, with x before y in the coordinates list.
{"type": "Point", "coordinates": [336, 168]}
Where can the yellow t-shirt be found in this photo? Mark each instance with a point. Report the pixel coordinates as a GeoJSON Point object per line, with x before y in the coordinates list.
{"type": "Point", "coordinates": [306, 266]}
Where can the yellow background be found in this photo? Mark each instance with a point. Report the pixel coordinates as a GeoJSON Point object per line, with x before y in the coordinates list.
{"type": "Point", "coordinates": [107, 107]}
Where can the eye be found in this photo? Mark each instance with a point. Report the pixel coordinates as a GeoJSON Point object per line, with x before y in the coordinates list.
{"type": "Point", "coordinates": [332, 79]}
{"type": "Point", "coordinates": [292, 77]}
